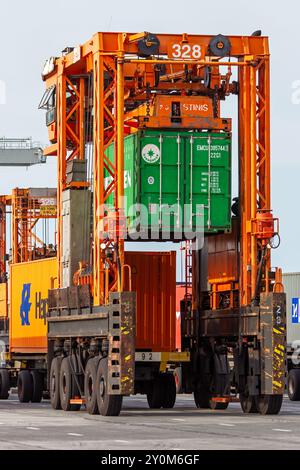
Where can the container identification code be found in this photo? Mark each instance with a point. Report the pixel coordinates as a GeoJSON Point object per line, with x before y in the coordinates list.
{"type": "Point", "coordinates": [215, 150]}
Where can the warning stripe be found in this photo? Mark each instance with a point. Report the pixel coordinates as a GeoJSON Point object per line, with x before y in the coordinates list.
{"type": "Point", "coordinates": [279, 352]}
{"type": "Point", "coordinates": [277, 384]}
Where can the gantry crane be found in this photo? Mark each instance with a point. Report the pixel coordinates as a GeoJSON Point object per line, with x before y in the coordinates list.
{"type": "Point", "coordinates": [27, 208]}
{"type": "Point", "coordinates": [14, 152]}
{"type": "Point", "coordinates": [96, 94]}
{"type": "Point", "coordinates": [31, 242]}
{"type": "Point", "coordinates": [20, 152]}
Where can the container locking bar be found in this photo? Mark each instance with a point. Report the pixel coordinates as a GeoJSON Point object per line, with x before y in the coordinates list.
{"type": "Point", "coordinates": [273, 329]}
{"type": "Point", "coordinates": [121, 352]}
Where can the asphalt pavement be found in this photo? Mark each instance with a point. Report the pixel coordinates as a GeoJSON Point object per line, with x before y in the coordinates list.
{"type": "Point", "coordinates": [38, 426]}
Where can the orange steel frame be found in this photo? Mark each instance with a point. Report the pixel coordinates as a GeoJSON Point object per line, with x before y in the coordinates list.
{"type": "Point", "coordinates": [115, 55]}
{"type": "Point", "coordinates": [25, 216]}
{"type": "Point", "coordinates": [70, 128]}
{"type": "Point", "coordinates": [254, 155]}
{"type": "Point", "coordinates": [2, 237]}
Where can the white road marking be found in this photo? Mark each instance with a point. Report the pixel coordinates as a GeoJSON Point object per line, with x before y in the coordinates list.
{"type": "Point", "coordinates": [32, 428]}
{"type": "Point", "coordinates": [282, 430]}
{"type": "Point", "coordinates": [226, 424]}
{"type": "Point", "coordinates": [121, 441]}
{"type": "Point", "coordinates": [74, 434]}
{"type": "Point", "coordinates": [178, 419]}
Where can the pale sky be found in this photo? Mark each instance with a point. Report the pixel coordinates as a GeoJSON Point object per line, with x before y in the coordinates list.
{"type": "Point", "coordinates": [33, 30]}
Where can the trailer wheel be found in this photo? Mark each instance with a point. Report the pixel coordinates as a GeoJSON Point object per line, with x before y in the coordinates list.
{"type": "Point", "coordinates": [37, 385]}
{"type": "Point", "coordinates": [168, 385]}
{"type": "Point", "coordinates": [269, 404]}
{"type": "Point", "coordinates": [67, 386]}
{"type": "Point", "coordinates": [202, 398]}
{"type": "Point", "coordinates": [248, 403]}
{"type": "Point", "coordinates": [4, 384]}
{"type": "Point", "coordinates": [156, 393]}
{"type": "Point", "coordinates": [25, 386]}
{"type": "Point", "coordinates": [294, 384]}
{"type": "Point", "coordinates": [75, 388]}
{"type": "Point", "coordinates": [90, 381]}
{"type": "Point", "coordinates": [108, 405]}
{"type": "Point", "coordinates": [54, 383]}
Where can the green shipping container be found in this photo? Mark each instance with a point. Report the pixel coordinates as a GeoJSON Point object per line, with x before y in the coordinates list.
{"type": "Point", "coordinates": [181, 179]}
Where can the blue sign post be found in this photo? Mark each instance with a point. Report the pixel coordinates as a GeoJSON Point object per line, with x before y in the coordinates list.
{"type": "Point", "coordinates": [295, 310]}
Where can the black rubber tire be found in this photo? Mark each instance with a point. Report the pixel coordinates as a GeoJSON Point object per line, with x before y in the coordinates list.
{"type": "Point", "coordinates": [293, 385]}
{"type": "Point", "coordinates": [4, 384]}
{"type": "Point", "coordinates": [37, 386]}
{"type": "Point", "coordinates": [202, 398]}
{"type": "Point", "coordinates": [248, 403]}
{"type": "Point", "coordinates": [54, 390]}
{"type": "Point", "coordinates": [90, 385]}
{"type": "Point", "coordinates": [66, 386]}
{"type": "Point", "coordinates": [214, 405]}
{"type": "Point", "coordinates": [108, 405]}
{"type": "Point", "coordinates": [269, 404]}
{"type": "Point", "coordinates": [25, 386]}
{"type": "Point", "coordinates": [75, 388]}
{"type": "Point", "coordinates": [155, 394]}
{"type": "Point", "coordinates": [168, 390]}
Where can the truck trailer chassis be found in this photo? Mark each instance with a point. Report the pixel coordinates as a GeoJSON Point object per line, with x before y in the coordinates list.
{"type": "Point", "coordinates": [82, 338]}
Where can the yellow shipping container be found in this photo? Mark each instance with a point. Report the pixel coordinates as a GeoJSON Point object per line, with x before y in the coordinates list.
{"type": "Point", "coordinates": [29, 284]}
{"type": "Point", "coordinates": [3, 300]}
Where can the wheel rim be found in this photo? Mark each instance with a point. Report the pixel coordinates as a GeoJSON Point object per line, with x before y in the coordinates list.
{"type": "Point", "coordinates": [90, 386]}
{"type": "Point", "coordinates": [246, 403]}
{"type": "Point", "coordinates": [263, 403]}
{"type": "Point", "coordinates": [53, 384]}
{"type": "Point", "coordinates": [262, 400]}
{"type": "Point", "coordinates": [102, 388]}
{"type": "Point", "coordinates": [269, 404]}
{"type": "Point", "coordinates": [176, 380]}
{"type": "Point", "coordinates": [291, 387]}
{"type": "Point", "coordinates": [64, 385]}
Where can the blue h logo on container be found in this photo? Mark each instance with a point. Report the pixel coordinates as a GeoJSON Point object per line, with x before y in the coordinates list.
{"type": "Point", "coordinates": [295, 310]}
{"type": "Point", "coordinates": [25, 305]}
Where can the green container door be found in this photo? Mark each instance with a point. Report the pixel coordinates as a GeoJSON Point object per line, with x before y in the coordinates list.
{"type": "Point", "coordinates": [191, 171]}
{"type": "Point", "coordinates": [210, 177]}
{"type": "Point", "coordinates": [161, 186]}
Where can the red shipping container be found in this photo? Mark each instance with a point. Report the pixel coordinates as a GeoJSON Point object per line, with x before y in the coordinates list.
{"type": "Point", "coordinates": [153, 277]}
